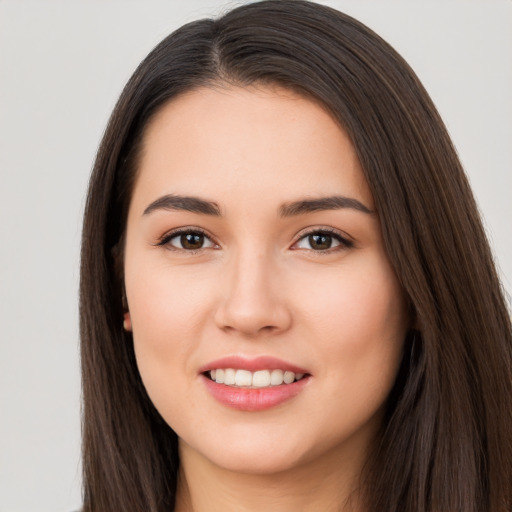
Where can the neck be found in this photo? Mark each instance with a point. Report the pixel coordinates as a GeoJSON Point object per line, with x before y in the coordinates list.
{"type": "Point", "coordinates": [325, 484]}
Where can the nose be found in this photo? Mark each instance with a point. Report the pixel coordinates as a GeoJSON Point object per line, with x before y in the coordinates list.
{"type": "Point", "coordinates": [253, 298]}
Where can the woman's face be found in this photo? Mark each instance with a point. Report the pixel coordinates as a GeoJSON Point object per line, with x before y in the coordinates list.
{"type": "Point", "coordinates": [253, 249]}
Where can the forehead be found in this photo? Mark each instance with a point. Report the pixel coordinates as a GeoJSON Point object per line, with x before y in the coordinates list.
{"type": "Point", "coordinates": [251, 143]}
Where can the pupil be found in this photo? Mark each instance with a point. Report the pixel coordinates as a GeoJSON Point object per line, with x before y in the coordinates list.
{"type": "Point", "coordinates": [321, 241]}
{"type": "Point", "coordinates": [192, 241]}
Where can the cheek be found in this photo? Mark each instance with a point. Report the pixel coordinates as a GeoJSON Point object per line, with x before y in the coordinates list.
{"type": "Point", "coordinates": [165, 300]}
{"type": "Point", "coordinates": [361, 330]}
{"type": "Point", "coordinates": [358, 299]}
{"type": "Point", "coordinates": [167, 311]}
{"type": "Point", "coordinates": [359, 319]}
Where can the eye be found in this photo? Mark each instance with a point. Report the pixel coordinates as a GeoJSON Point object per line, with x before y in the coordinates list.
{"type": "Point", "coordinates": [189, 240]}
{"type": "Point", "coordinates": [322, 240]}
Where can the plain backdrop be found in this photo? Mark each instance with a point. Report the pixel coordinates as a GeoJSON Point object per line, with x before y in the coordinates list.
{"type": "Point", "coordinates": [62, 67]}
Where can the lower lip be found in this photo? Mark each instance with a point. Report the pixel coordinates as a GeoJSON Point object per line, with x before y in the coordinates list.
{"type": "Point", "coordinates": [254, 399]}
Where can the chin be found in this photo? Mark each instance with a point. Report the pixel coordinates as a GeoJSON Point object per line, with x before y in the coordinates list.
{"type": "Point", "coordinates": [260, 464]}
{"type": "Point", "coordinates": [249, 455]}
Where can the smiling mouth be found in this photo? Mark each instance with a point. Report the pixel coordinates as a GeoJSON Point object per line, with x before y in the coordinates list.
{"type": "Point", "coordinates": [239, 378]}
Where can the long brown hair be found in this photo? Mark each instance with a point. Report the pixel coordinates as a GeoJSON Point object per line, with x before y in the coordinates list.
{"type": "Point", "coordinates": [446, 444]}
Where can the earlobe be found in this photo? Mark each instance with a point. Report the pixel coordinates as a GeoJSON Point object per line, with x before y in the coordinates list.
{"type": "Point", "coordinates": [127, 322]}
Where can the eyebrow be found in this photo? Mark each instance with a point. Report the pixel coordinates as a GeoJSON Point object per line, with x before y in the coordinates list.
{"type": "Point", "coordinates": [324, 203]}
{"type": "Point", "coordinates": [196, 205]}
{"type": "Point", "coordinates": [184, 203]}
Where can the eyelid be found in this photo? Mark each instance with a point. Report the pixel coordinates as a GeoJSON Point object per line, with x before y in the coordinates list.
{"type": "Point", "coordinates": [345, 240]}
{"type": "Point", "coordinates": [169, 235]}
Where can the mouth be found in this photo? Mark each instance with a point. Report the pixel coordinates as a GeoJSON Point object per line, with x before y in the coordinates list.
{"type": "Point", "coordinates": [253, 384]}
{"type": "Point", "coordinates": [240, 378]}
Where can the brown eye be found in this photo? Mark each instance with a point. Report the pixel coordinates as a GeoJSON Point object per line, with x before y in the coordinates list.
{"type": "Point", "coordinates": [323, 241]}
{"type": "Point", "coordinates": [192, 241]}
{"type": "Point", "coordinates": [320, 242]}
{"type": "Point", "coordinates": [187, 241]}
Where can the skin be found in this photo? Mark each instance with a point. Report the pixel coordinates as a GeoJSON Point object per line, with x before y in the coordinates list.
{"type": "Point", "coordinates": [258, 287]}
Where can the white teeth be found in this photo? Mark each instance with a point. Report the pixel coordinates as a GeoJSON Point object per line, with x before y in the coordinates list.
{"type": "Point", "coordinates": [276, 377]}
{"type": "Point", "coordinates": [289, 377]}
{"type": "Point", "coordinates": [219, 376]}
{"type": "Point", "coordinates": [229, 376]}
{"type": "Point", "coordinates": [243, 378]}
{"type": "Point", "coordinates": [259, 379]}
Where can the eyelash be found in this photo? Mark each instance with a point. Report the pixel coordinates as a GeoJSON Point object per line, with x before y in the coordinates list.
{"type": "Point", "coordinates": [164, 241]}
{"type": "Point", "coordinates": [344, 243]}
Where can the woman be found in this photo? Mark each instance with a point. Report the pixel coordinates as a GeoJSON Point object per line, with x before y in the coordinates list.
{"type": "Point", "coordinates": [287, 296]}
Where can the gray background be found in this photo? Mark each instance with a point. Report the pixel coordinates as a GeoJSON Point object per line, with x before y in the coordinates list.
{"type": "Point", "coordinates": [62, 66]}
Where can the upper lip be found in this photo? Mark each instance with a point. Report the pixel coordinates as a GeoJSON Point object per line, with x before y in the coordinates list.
{"type": "Point", "coordinates": [252, 364]}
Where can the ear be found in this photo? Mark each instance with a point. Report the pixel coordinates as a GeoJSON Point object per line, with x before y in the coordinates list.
{"type": "Point", "coordinates": [127, 322]}
{"type": "Point", "coordinates": [117, 253]}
